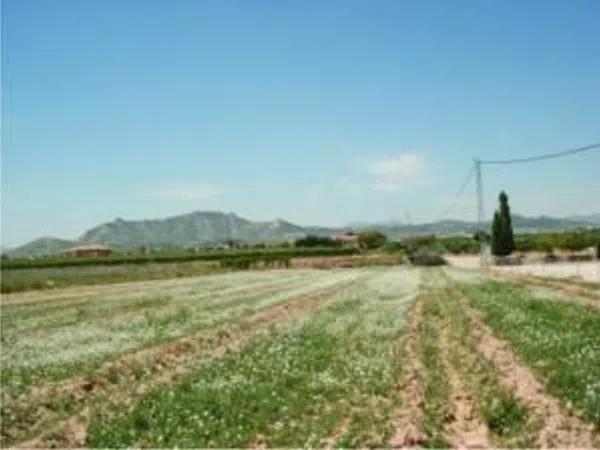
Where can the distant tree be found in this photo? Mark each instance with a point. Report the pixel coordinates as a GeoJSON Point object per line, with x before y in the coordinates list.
{"type": "Point", "coordinates": [545, 243]}
{"type": "Point", "coordinates": [371, 239]}
{"type": "Point", "coordinates": [574, 241]}
{"type": "Point", "coordinates": [481, 236]}
{"type": "Point", "coordinates": [315, 241]}
{"type": "Point", "coordinates": [502, 232]}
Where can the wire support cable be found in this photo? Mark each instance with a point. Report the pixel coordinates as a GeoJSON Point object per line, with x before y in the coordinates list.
{"type": "Point", "coordinates": [459, 193]}
{"type": "Point", "coordinates": [560, 154]}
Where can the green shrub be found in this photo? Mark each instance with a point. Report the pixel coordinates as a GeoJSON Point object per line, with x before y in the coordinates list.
{"type": "Point", "coordinates": [427, 258]}
{"type": "Point", "coordinates": [371, 239]}
{"type": "Point", "coordinates": [316, 241]}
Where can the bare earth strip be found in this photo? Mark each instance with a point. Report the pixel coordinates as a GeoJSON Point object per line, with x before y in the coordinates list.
{"type": "Point", "coordinates": [557, 426]}
{"type": "Point", "coordinates": [339, 431]}
{"type": "Point", "coordinates": [588, 271]}
{"type": "Point", "coordinates": [161, 366]}
{"type": "Point", "coordinates": [464, 428]}
{"type": "Point", "coordinates": [406, 423]}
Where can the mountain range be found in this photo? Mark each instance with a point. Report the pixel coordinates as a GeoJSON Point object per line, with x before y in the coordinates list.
{"type": "Point", "coordinates": [201, 228]}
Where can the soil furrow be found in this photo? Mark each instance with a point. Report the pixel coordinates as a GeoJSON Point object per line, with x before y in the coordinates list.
{"type": "Point", "coordinates": [464, 427]}
{"type": "Point", "coordinates": [118, 383]}
{"type": "Point", "coordinates": [407, 432]}
{"type": "Point", "coordinates": [558, 427]}
{"type": "Point", "coordinates": [338, 432]}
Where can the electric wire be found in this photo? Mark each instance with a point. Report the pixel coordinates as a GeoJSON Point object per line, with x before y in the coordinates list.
{"type": "Point", "coordinates": [560, 154]}
{"type": "Point", "coordinates": [459, 193]}
{"type": "Point", "coordinates": [471, 172]}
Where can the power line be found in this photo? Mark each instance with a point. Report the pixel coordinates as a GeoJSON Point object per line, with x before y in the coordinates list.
{"type": "Point", "coordinates": [459, 192]}
{"type": "Point", "coordinates": [473, 169]}
{"type": "Point", "coordinates": [546, 156]}
{"type": "Point", "coordinates": [477, 169]}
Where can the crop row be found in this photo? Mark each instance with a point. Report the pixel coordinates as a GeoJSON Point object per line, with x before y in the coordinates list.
{"type": "Point", "coordinates": [559, 340]}
{"type": "Point", "coordinates": [290, 388]}
{"type": "Point", "coordinates": [49, 340]}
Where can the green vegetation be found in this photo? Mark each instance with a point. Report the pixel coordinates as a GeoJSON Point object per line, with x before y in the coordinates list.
{"type": "Point", "coordinates": [290, 358]}
{"type": "Point", "coordinates": [175, 257]}
{"type": "Point", "coordinates": [289, 389]}
{"type": "Point", "coordinates": [371, 239]}
{"type": "Point", "coordinates": [434, 244]}
{"type": "Point", "coordinates": [568, 240]}
{"type": "Point", "coordinates": [539, 241]}
{"type": "Point", "coordinates": [57, 277]}
{"type": "Point", "coordinates": [559, 340]}
{"type": "Point", "coordinates": [316, 241]}
{"type": "Point", "coordinates": [502, 231]}
{"type": "Point", "coordinates": [427, 258]}
{"type": "Point", "coordinates": [505, 417]}
{"type": "Point", "coordinates": [267, 261]}
{"type": "Point", "coordinates": [435, 380]}
{"type": "Point", "coordinates": [460, 244]}
{"type": "Point", "coordinates": [49, 337]}
{"type": "Point", "coordinates": [95, 326]}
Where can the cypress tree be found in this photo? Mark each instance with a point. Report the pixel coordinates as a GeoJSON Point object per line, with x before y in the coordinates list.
{"type": "Point", "coordinates": [496, 235]}
{"type": "Point", "coordinates": [502, 231]}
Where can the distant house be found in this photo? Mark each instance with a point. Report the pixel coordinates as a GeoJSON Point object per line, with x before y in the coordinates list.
{"type": "Point", "coordinates": [89, 251]}
{"type": "Point", "coordinates": [348, 238]}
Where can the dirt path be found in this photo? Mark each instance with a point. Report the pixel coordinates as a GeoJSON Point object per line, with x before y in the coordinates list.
{"type": "Point", "coordinates": [557, 426]}
{"type": "Point", "coordinates": [118, 383]}
{"type": "Point", "coordinates": [464, 427]}
{"type": "Point", "coordinates": [406, 423]}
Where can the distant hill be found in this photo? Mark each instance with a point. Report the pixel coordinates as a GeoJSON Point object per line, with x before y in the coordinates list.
{"type": "Point", "coordinates": [591, 218]}
{"type": "Point", "coordinates": [197, 228]}
{"type": "Point", "coordinates": [39, 247]}
{"type": "Point", "coordinates": [208, 227]}
{"type": "Point", "coordinates": [521, 224]}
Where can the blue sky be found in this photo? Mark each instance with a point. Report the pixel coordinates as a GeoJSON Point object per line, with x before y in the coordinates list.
{"type": "Point", "coordinates": [319, 112]}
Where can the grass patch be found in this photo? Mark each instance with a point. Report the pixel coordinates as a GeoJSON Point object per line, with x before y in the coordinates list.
{"type": "Point", "coordinates": [58, 277]}
{"type": "Point", "coordinates": [560, 341]}
{"type": "Point", "coordinates": [435, 381]}
{"type": "Point", "coordinates": [503, 415]}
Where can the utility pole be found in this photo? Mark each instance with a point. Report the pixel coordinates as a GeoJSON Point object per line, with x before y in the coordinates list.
{"type": "Point", "coordinates": [480, 214]}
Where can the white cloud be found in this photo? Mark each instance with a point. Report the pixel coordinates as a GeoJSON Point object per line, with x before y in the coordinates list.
{"type": "Point", "coordinates": [391, 174]}
{"type": "Point", "coordinates": [186, 191]}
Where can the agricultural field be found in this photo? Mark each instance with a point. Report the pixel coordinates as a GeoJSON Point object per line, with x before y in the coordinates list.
{"type": "Point", "coordinates": [25, 275]}
{"type": "Point", "coordinates": [24, 279]}
{"type": "Point", "coordinates": [395, 356]}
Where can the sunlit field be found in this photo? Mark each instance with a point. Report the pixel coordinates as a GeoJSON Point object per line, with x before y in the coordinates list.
{"type": "Point", "coordinates": [376, 356]}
